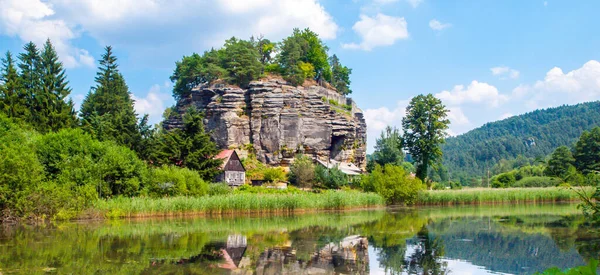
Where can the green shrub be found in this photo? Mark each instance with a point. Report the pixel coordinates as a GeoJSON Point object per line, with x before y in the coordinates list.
{"type": "Point", "coordinates": [176, 181]}
{"type": "Point", "coordinates": [394, 184]}
{"type": "Point", "coordinates": [330, 178]}
{"type": "Point", "coordinates": [20, 172]}
{"type": "Point", "coordinates": [333, 102]}
{"type": "Point", "coordinates": [589, 269]}
{"type": "Point", "coordinates": [302, 171]}
{"type": "Point", "coordinates": [347, 107]}
{"type": "Point", "coordinates": [216, 189]}
{"type": "Point", "coordinates": [503, 180]}
{"type": "Point", "coordinates": [538, 182]}
{"type": "Point", "coordinates": [274, 174]}
{"type": "Point", "coordinates": [273, 68]}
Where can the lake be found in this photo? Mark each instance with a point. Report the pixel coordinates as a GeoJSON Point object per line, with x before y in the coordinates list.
{"type": "Point", "coordinates": [519, 239]}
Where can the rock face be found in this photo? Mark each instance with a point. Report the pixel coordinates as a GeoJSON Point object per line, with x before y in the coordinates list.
{"type": "Point", "coordinates": [278, 121]}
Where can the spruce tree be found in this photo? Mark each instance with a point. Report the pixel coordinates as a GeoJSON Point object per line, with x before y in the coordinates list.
{"type": "Point", "coordinates": [58, 113]}
{"type": "Point", "coordinates": [13, 98]}
{"type": "Point", "coordinates": [31, 75]}
{"type": "Point", "coordinates": [108, 112]}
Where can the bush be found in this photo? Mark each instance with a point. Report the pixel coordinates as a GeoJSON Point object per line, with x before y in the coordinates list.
{"type": "Point", "coordinates": [394, 184]}
{"type": "Point", "coordinates": [216, 189]}
{"type": "Point", "coordinates": [503, 180]}
{"type": "Point", "coordinates": [302, 172]}
{"type": "Point", "coordinates": [330, 178]}
{"type": "Point", "coordinates": [71, 156]}
{"type": "Point", "coordinates": [20, 172]}
{"type": "Point", "coordinates": [176, 181]}
{"type": "Point", "coordinates": [274, 174]}
{"type": "Point", "coordinates": [537, 182]}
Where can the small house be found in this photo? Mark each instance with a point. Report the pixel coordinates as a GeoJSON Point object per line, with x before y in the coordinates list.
{"type": "Point", "coordinates": [232, 170]}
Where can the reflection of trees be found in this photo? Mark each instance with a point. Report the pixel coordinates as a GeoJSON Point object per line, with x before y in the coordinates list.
{"type": "Point", "coordinates": [426, 259]}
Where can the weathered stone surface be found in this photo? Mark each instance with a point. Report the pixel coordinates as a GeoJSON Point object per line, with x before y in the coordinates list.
{"type": "Point", "coordinates": [280, 121]}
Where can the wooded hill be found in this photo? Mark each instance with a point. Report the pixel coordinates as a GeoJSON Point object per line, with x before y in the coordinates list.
{"type": "Point", "coordinates": [532, 135]}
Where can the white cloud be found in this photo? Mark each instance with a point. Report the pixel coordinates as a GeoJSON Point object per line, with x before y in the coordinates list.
{"type": "Point", "coordinates": [378, 119]}
{"type": "Point", "coordinates": [35, 20]}
{"type": "Point", "coordinates": [381, 30]}
{"type": "Point", "coordinates": [414, 3]}
{"type": "Point", "coordinates": [505, 72]}
{"type": "Point", "coordinates": [438, 26]}
{"type": "Point", "coordinates": [155, 102]}
{"type": "Point", "coordinates": [457, 117]}
{"type": "Point", "coordinates": [476, 92]}
{"type": "Point", "coordinates": [195, 23]}
{"type": "Point", "coordinates": [557, 87]}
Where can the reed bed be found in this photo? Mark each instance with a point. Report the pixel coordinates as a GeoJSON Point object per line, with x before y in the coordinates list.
{"type": "Point", "coordinates": [498, 196]}
{"type": "Point", "coordinates": [236, 203]}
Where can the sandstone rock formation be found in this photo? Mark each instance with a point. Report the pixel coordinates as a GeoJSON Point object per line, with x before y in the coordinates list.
{"type": "Point", "coordinates": [278, 121]}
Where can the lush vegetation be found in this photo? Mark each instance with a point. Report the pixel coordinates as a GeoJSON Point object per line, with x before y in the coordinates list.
{"type": "Point", "coordinates": [425, 126]}
{"type": "Point", "coordinates": [393, 183]}
{"type": "Point", "coordinates": [589, 269]}
{"type": "Point", "coordinates": [239, 202]}
{"type": "Point", "coordinates": [535, 134]}
{"type": "Point", "coordinates": [300, 56]}
{"type": "Point", "coordinates": [497, 196]}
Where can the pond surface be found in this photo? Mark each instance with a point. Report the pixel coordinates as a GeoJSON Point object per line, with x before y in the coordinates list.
{"type": "Point", "coordinates": [437, 240]}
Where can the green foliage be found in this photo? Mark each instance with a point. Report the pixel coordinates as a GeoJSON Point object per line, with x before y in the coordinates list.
{"type": "Point", "coordinates": [340, 76]}
{"type": "Point", "coordinates": [189, 147]}
{"type": "Point", "coordinates": [216, 189]}
{"type": "Point", "coordinates": [254, 168]}
{"type": "Point", "coordinates": [394, 184]}
{"type": "Point", "coordinates": [266, 190]}
{"type": "Point", "coordinates": [590, 269]}
{"type": "Point", "coordinates": [242, 61]}
{"type": "Point", "coordinates": [425, 128]}
{"type": "Point", "coordinates": [537, 181]}
{"type": "Point", "coordinates": [51, 111]}
{"type": "Point", "coordinates": [301, 48]}
{"type": "Point", "coordinates": [302, 172]}
{"type": "Point", "coordinates": [13, 95]}
{"type": "Point", "coordinates": [497, 196]}
{"type": "Point", "coordinates": [176, 181]}
{"type": "Point", "coordinates": [560, 161]}
{"type": "Point", "coordinates": [388, 148]}
{"type": "Point", "coordinates": [530, 135]}
{"type": "Point", "coordinates": [195, 70]}
{"type": "Point", "coordinates": [107, 112]}
{"type": "Point", "coordinates": [73, 157]}
{"type": "Point", "coordinates": [274, 174]}
{"type": "Point", "coordinates": [504, 180]}
{"type": "Point", "coordinates": [332, 178]}
{"type": "Point", "coordinates": [587, 152]}
{"type": "Point", "coordinates": [239, 203]}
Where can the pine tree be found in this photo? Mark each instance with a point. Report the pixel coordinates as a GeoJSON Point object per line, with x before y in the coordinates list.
{"type": "Point", "coordinates": [340, 76]}
{"type": "Point", "coordinates": [13, 97]}
{"type": "Point", "coordinates": [189, 147]}
{"type": "Point", "coordinates": [559, 162]}
{"type": "Point", "coordinates": [31, 75]}
{"type": "Point", "coordinates": [54, 89]}
{"type": "Point", "coordinates": [108, 112]}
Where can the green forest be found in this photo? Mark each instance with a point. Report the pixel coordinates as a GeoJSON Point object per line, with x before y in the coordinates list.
{"type": "Point", "coordinates": [516, 141]}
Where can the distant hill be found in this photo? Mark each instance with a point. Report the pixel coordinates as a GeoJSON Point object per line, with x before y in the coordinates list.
{"type": "Point", "coordinates": [532, 134]}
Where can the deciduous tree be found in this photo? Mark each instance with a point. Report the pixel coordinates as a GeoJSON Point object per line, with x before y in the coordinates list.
{"type": "Point", "coordinates": [425, 126]}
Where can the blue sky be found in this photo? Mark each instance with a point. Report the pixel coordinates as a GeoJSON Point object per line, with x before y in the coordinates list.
{"type": "Point", "coordinates": [485, 59]}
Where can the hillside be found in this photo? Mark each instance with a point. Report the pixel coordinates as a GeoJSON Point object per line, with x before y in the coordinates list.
{"type": "Point", "coordinates": [532, 134]}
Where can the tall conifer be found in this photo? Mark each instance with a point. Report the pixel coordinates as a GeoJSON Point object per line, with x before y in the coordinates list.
{"type": "Point", "coordinates": [13, 98]}
{"type": "Point", "coordinates": [58, 113]}
{"type": "Point", "coordinates": [107, 112]}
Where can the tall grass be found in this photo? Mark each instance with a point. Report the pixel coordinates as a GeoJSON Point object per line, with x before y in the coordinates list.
{"type": "Point", "coordinates": [497, 196]}
{"type": "Point", "coordinates": [236, 203]}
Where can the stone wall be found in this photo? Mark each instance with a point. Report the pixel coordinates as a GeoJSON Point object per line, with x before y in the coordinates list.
{"type": "Point", "coordinates": [279, 121]}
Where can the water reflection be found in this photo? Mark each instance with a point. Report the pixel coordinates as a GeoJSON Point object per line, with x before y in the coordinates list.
{"type": "Point", "coordinates": [476, 240]}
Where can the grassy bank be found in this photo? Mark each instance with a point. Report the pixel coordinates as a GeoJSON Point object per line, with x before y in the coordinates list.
{"type": "Point", "coordinates": [497, 196]}
{"type": "Point", "coordinates": [236, 203]}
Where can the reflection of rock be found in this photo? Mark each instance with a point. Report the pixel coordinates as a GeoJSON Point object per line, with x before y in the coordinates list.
{"type": "Point", "coordinates": [349, 256]}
